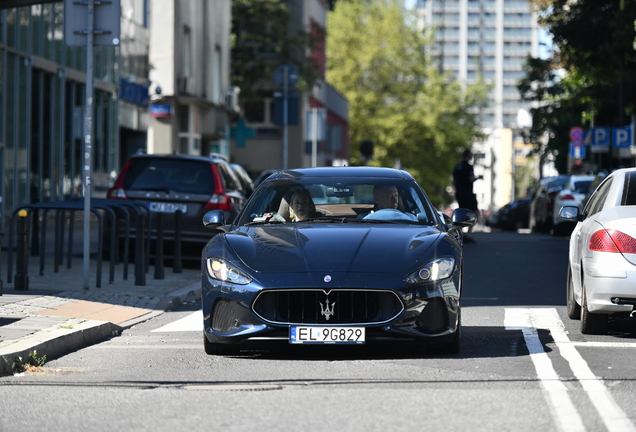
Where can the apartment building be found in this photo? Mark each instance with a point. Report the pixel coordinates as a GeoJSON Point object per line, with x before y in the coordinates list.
{"type": "Point", "coordinates": [259, 139]}
{"type": "Point", "coordinates": [491, 39]}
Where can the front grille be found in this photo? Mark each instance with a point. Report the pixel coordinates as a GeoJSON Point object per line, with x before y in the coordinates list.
{"type": "Point", "coordinates": [308, 306]}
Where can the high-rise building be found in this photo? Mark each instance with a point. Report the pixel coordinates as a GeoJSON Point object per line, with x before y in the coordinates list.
{"type": "Point", "coordinates": [489, 39]}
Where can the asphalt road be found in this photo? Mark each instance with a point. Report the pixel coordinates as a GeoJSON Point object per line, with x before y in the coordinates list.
{"type": "Point", "coordinates": [524, 366]}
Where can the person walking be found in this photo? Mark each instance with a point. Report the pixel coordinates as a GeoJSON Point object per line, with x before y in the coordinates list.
{"type": "Point", "coordinates": [463, 179]}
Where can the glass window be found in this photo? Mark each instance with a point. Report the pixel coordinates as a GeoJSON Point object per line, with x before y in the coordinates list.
{"type": "Point", "coordinates": [629, 190]}
{"type": "Point", "coordinates": [597, 200]}
{"type": "Point", "coordinates": [175, 175]}
{"type": "Point", "coordinates": [382, 200]}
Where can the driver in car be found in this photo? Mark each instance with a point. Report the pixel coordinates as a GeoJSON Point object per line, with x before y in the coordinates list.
{"type": "Point", "coordinates": [386, 198]}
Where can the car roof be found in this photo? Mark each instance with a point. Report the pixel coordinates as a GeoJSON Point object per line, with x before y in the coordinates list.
{"type": "Point", "coordinates": [212, 159]}
{"type": "Point", "coordinates": [360, 172]}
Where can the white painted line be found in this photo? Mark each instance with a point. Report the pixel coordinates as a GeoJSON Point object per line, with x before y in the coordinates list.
{"type": "Point", "coordinates": [563, 411]}
{"type": "Point", "coordinates": [604, 344]}
{"type": "Point", "coordinates": [609, 411]}
{"type": "Point", "coordinates": [192, 322]}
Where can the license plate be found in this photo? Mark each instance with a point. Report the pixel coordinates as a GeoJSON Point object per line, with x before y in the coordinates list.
{"type": "Point", "coordinates": [326, 335]}
{"type": "Point", "coordinates": [159, 207]}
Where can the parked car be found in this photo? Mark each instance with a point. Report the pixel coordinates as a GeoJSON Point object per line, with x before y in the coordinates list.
{"type": "Point", "coordinates": [572, 194]}
{"type": "Point", "coordinates": [514, 216]}
{"type": "Point", "coordinates": [247, 185]}
{"type": "Point", "coordinates": [347, 274]}
{"type": "Point", "coordinates": [194, 185]}
{"type": "Point", "coordinates": [542, 204]}
{"type": "Point", "coordinates": [601, 279]}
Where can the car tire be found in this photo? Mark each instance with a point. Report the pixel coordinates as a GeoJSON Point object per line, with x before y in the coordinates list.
{"type": "Point", "coordinates": [591, 323]}
{"type": "Point", "coordinates": [212, 348]}
{"type": "Point", "coordinates": [573, 308]}
{"type": "Point", "coordinates": [454, 346]}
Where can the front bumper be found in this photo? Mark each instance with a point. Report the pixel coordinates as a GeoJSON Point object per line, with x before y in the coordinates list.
{"type": "Point", "coordinates": [429, 312]}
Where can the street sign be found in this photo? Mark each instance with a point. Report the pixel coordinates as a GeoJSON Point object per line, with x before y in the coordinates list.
{"type": "Point", "coordinates": [600, 140]}
{"type": "Point", "coordinates": [577, 150]}
{"type": "Point", "coordinates": [317, 117]}
{"type": "Point", "coordinates": [292, 76]}
{"type": "Point", "coordinates": [622, 137]}
{"type": "Point", "coordinates": [576, 134]}
{"type": "Point", "coordinates": [106, 19]}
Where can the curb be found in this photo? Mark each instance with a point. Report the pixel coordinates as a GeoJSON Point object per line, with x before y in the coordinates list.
{"type": "Point", "coordinates": [59, 341]}
{"type": "Point", "coordinates": [56, 342]}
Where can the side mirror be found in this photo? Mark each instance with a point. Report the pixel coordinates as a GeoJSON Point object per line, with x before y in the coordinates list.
{"type": "Point", "coordinates": [214, 219]}
{"type": "Point", "coordinates": [570, 213]}
{"type": "Point", "coordinates": [463, 218]}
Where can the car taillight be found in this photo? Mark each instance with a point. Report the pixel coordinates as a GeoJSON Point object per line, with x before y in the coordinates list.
{"type": "Point", "coordinates": [116, 193]}
{"type": "Point", "coordinates": [567, 197]}
{"type": "Point", "coordinates": [219, 202]}
{"type": "Point", "coordinates": [612, 241]}
{"type": "Point", "coordinates": [219, 199]}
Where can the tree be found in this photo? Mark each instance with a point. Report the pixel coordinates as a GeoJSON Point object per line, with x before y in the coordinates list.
{"type": "Point", "coordinates": [595, 41]}
{"type": "Point", "coordinates": [557, 108]}
{"type": "Point", "coordinates": [378, 58]}
{"type": "Point", "coordinates": [265, 34]}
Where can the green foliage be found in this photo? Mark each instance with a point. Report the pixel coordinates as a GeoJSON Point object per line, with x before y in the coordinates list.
{"type": "Point", "coordinates": [558, 108]}
{"type": "Point", "coordinates": [378, 58]}
{"type": "Point", "coordinates": [33, 361]}
{"type": "Point", "coordinates": [264, 36]}
{"type": "Point", "coordinates": [595, 41]}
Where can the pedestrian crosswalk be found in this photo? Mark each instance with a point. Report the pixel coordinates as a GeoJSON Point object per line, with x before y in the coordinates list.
{"type": "Point", "coordinates": [189, 323]}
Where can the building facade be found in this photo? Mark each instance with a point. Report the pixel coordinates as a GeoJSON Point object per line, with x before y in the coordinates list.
{"type": "Point", "coordinates": [192, 102]}
{"type": "Point", "coordinates": [259, 139]}
{"type": "Point", "coordinates": [42, 100]}
{"type": "Point", "coordinates": [489, 39]}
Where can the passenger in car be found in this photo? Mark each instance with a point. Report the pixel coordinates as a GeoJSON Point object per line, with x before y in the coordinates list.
{"type": "Point", "coordinates": [301, 206]}
{"type": "Point", "coordinates": [386, 197]}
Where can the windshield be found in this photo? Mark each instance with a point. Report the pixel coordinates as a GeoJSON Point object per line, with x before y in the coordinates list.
{"type": "Point", "coordinates": [364, 200]}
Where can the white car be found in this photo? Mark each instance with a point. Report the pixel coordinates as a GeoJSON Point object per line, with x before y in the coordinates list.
{"type": "Point", "coordinates": [602, 259]}
{"type": "Point", "coordinates": [572, 194]}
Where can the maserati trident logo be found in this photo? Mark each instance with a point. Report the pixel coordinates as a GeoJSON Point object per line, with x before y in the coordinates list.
{"type": "Point", "coordinates": [327, 310]}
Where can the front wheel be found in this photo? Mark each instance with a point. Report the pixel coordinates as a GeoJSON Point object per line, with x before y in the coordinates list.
{"type": "Point", "coordinates": [592, 323]}
{"type": "Point", "coordinates": [574, 310]}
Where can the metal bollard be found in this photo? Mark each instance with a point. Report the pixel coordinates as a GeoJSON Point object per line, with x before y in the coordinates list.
{"type": "Point", "coordinates": [0, 250]}
{"type": "Point", "coordinates": [159, 271]}
{"type": "Point", "coordinates": [21, 281]}
{"type": "Point", "coordinates": [177, 265]}
{"type": "Point", "coordinates": [140, 251]}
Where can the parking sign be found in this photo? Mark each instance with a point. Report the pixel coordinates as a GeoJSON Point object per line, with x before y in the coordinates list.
{"type": "Point", "coordinates": [600, 140]}
{"type": "Point", "coordinates": [622, 137]}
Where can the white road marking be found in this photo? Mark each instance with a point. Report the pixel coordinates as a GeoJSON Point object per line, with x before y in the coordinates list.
{"type": "Point", "coordinates": [561, 406]}
{"type": "Point", "coordinates": [548, 318]}
{"type": "Point", "coordinates": [605, 344]}
{"type": "Point", "coordinates": [192, 322]}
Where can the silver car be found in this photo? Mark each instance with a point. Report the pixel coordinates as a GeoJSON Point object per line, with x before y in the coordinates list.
{"type": "Point", "coordinates": [602, 260]}
{"type": "Point", "coordinates": [572, 194]}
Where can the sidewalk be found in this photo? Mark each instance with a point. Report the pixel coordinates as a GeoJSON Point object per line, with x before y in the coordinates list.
{"type": "Point", "coordinates": [56, 315]}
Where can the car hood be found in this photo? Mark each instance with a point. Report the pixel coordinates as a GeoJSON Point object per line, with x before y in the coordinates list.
{"type": "Point", "coordinates": [306, 248]}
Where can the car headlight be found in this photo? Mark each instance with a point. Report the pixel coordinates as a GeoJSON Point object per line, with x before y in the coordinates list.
{"type": "Point", "coordinates": [441, 268]}
{"type": "Point", "coordinates": [222, 270]}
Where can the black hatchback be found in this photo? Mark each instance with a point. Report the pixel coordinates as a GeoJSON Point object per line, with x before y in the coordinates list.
{"type": "Point", "coordinates": [193, 185]}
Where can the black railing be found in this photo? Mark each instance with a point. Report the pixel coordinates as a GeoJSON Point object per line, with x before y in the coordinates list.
{"type": "Point", "coordinates": [118, 222]}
